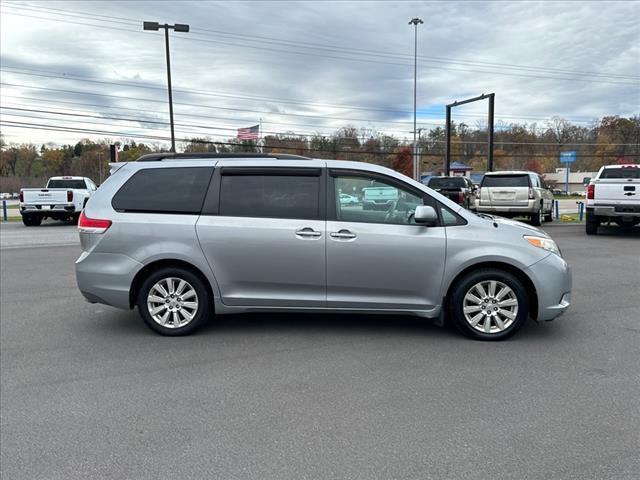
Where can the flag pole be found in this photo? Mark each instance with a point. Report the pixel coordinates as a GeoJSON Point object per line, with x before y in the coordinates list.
{"type": "Point", "coordinates": [260, 136]}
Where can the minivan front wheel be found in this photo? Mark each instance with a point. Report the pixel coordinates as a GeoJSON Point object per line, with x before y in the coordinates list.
{"type": "Point", "coordinates": [489, 304]}
{"type": "Point", "coordinates": [173, 301]}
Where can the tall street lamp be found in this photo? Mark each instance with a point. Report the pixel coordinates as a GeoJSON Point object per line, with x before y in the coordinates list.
{"type": "Point", "coordinates": [415, 22]}
{"type": "Point", "coordinates": [178, 27]}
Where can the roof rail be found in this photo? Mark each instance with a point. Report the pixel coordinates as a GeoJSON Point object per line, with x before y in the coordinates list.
{"type": "Point", "coordinates": [157, 157]}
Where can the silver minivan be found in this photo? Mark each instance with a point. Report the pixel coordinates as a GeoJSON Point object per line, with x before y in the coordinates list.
{"type": "Point", "coordinates": [186, 237]}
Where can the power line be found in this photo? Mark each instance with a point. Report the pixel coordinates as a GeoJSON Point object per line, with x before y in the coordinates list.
{"type": "Point", "coordinates": [191, 38]}
{"type": "Point", "coordinates": [182, 114]}
{"type": "Point", "coordinates": [338, 48]}
{"type": "Point", "coordinates": [156, 137]}
{"type": "Point", "coordinates": [463, 142]}
{"type": "Point", "coordinates": [65, 76]}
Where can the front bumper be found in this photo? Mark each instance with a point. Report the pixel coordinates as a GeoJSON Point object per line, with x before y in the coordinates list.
{"type": "Point", "coordinates": [106, 277]}
{"type": "Point", "coordinates": [552, 279]}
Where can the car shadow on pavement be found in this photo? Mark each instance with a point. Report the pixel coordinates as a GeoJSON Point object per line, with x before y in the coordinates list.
{"type": "Point", "coordinates": [117, 323]}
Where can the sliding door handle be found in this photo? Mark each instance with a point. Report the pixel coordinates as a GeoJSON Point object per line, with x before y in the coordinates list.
{"type": "Point", "coordinates": [343, 234]}
{"type": "Point", "coordinates": [308, 232]}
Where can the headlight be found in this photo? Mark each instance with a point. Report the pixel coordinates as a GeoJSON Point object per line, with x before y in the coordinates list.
{"type": "Point", "coordinates": [544, 243]}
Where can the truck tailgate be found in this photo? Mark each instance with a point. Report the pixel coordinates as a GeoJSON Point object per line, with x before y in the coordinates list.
{"type": "Point", "coordinates": [44, 196]}
{"type": "Point", "coordinates": [617, 191]}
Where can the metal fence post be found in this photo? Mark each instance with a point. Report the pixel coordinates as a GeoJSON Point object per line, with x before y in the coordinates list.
{"type": "Point", "coordinates": [4, 210]}
{"type": "Point", "coordinates": [557, 208]}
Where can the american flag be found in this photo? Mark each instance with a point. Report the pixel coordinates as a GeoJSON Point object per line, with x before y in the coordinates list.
{"type": "Point", "coordinates": [249, 133]}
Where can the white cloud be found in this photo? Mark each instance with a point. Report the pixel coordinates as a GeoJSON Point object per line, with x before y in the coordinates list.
{"type": "Point", "coordinates": [267, 55]}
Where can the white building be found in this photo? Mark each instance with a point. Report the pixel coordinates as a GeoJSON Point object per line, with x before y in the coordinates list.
{"type": "Point", "coordinates": [578, 181]}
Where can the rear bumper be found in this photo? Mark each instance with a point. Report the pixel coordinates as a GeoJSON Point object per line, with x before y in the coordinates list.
{"type": "Point", "coordinates": [66, 208]}
{"type": "Point", "coordinates": [106, 277]}
{"type": "Point", "coordinates": [529, 208]}
{"type": "Point", "coordinates": [552, 279]}
{"type": "Point", "coordinates": [616, 210]}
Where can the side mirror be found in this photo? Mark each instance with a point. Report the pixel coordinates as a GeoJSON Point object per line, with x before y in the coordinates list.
{"type": "Point", "coordinates": [425, 215]}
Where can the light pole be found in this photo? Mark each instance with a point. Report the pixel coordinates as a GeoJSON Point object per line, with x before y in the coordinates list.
{"type": "Point", "coordinates": [178, 27]}
{"type": "Point", "coordinates": [415, 22]}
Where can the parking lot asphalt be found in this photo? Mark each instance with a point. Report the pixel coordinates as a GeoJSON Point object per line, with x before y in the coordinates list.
{"type": "Point", "coordinates": [87, 391]}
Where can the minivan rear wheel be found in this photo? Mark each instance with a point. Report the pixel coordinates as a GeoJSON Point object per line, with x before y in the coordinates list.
{"type": "Point", "coordinates": [489, 304]}
{"type": "Point", "coordinates": [173, 301]}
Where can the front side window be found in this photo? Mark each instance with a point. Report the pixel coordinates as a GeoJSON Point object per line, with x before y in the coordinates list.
{"type": "Point", "coordinates": [164, 190]}
{"type": "Point", "coordinates": [378, 201]}
{"type": "Point", "coordinates": [270, 196]}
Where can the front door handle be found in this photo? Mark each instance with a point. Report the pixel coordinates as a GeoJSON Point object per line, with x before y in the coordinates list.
{"type": "Point", "coordinates": [343, 234]}
{"type": "Point", "coordinates": [308, 232]}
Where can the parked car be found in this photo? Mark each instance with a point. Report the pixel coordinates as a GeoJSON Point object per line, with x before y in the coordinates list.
{"type": "Point", "coordinates": [516, 194]}
{"type": "Point", "coordinates": [62, 199]}
{"type": "Point", "coordinates": [346, 199]}
{"type": "Point", "coordinates": [614, 195]}
{"type": "Point", "coordinates": [459, 189]}
{"type": "Point", "coordinates": [378, 197]}
{"type": "Point", "coordinates": [5, 196]}
{"type": "Point", "coordinates": [184, 238]}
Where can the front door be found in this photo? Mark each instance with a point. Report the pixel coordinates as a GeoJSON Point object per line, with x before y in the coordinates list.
{"type": "Point", "coordinates": [380, 258]}
{"type": "Point", "coordinates": [266, 242]}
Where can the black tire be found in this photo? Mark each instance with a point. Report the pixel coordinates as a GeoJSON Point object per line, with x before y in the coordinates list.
{"type": "Point", "coordinates": [591, 223]}
{"type": "Point", "coordinates": [536, 218]}
{"type": "Point", "coordinates": [201, 314]}
{"type": "Point", "coordinates": [31, 220]}
{"type": "Point", "coordinates": [463, 286]}
{"type": "Point", "coordinates": [75, 218]}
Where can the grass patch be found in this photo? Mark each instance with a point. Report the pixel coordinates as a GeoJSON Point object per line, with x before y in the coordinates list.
{"type": "Point", "coordinates": [568, 197]}
{"type": "Point", "coordinates": [570, 218]}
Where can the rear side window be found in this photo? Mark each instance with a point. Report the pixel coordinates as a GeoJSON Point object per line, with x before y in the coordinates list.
{"type": "Point", "coordinates": [505, 181]}
{"type": "Point", "coordinates": [164, 190]}
{"type": "Point", "coordinates": [66, 183]}
{"type": "Point", "coordinates": [628, 172]}
{"type": "Point", "coordinates": [270, 196]}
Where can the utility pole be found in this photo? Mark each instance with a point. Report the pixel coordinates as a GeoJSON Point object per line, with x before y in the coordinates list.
{"type": "Point", "coordinates": [178, 27]}
{"type": "Point", "coordinates": [415, 22]}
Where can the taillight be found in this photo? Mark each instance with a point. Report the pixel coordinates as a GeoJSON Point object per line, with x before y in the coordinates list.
{"type": "Point", "coordinates": [92, 225]}
{"type": "Point", "coordinates": [591, 192]}
{"type": "Point", "coordinates": [21, 196]}
{"type": "Point", "coordinates": [460, 198]}
{"type": "Point", "coordinates": [69, 195]}
{"type": "Point", "coordinates": [531, 194]}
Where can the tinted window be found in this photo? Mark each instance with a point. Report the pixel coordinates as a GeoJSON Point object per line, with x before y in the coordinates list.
{"type": "Point", "coordinates": [447, 182]}
{"type": "Point", "coordinates": [270, 196]}
{"type": "Point", "coordinates": [66, 184]}
{"type": "Point", "coordinates": [505, 181]}
{"type": "Point", "coordinates": [164, 190]}
{"type": "Point", "coordinates": [380, 202]}
{"type": "Point", "coordinates": [628, 172]}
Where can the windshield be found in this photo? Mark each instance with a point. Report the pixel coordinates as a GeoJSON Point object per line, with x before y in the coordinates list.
{"type": "Point", "coordinates": [446, 182]}
{"type": "Point", "coordinates": [622, 172]}
{"type": "Point", "coordinates": [66, 183]}
{"type": "Point", "coordinates": [505, 181]}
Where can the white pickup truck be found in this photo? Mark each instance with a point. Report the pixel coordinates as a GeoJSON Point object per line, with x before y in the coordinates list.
{"type": "Point", "coordinates": [62, 199]}
{"type": "Point", "coordinates": [614, 195]}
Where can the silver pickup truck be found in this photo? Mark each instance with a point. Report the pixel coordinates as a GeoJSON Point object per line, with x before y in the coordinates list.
{"type": "Point", "coordinates": [614, 195]}
{"type": "Point", "coordinates": [62, 199]}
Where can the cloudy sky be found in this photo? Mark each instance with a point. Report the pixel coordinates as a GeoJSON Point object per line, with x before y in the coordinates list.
{"type": "Point", "coordinates": [74, 69]}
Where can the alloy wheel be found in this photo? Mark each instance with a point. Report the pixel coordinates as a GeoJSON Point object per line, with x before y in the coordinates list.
{"type": "Point", "coordinates": [490, 306]}
{"type": "Point", "coordinates": [172, 302]}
